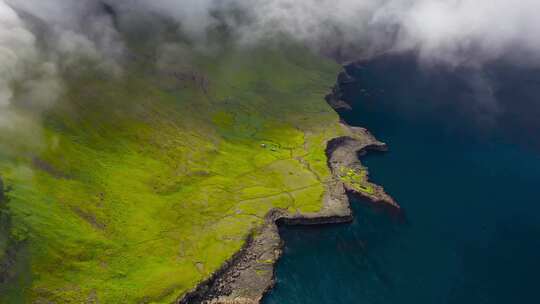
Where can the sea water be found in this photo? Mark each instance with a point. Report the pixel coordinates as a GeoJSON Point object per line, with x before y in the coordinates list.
{"type": "Point", "coordinates": [464, 164]}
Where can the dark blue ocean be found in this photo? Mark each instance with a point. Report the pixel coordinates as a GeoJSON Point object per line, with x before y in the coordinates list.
{"type": "Point", "coordinates": [464, 164]}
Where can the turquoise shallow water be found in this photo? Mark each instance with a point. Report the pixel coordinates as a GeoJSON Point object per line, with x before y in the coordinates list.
{"type": "Point", "coordinates": [468, 182]}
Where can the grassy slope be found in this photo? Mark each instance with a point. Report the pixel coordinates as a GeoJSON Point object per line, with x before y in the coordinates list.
{"type": "Point", "coordinates": [145, 185]}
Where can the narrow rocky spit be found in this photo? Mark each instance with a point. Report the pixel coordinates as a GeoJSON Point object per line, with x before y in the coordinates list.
{"type": "Point", "coordinates": [249, 274]}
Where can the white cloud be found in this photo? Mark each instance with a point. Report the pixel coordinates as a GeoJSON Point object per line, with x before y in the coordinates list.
{"type": "Point", "coordinates": [452, 32]}
{"type": "Point", "coordinates": [469, 31]}
{"type": "Point", "coordinates": [449, 31]}
{"type": "Point", "coordinates": [17, 45]}
{"type": "Point", "coordinates": [37, 39]}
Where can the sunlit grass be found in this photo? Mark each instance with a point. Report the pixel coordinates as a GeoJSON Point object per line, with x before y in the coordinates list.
{"type": "Point", "coordinates": [356, 179]}
{"type": "Point", "coordinates": [144, 185]}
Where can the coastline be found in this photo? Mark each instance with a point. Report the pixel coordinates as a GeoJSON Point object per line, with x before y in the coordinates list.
{"type": "Point", "coordinates": [249, 274]}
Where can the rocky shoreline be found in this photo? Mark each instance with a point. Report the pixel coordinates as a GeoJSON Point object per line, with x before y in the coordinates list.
{"type": "Point", "coordinates": [249, 274]}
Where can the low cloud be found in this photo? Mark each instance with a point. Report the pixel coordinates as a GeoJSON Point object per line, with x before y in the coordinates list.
{"type": "Point", "coordinates": [38, 39]}
{"type": "Point", "coordinates": [467, 31]}
{"type": "Point", "coordinates": [21, 63]}
{"type": "Point", "coordinates": [455, 32]}
{"type": "Point", "coordinates": [71, 29]}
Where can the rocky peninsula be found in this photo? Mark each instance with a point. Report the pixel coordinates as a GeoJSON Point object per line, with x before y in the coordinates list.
{"type": "Point", "coordinates": [249, 274]}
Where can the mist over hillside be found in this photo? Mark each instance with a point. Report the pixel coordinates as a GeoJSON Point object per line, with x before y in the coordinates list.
{"type": "Point", "coordinates": [40, 39]}
{"type": "Point", "coordinates": [142, 142]}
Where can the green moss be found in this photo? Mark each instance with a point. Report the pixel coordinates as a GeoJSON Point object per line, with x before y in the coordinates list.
{"type": "Point", "coordinates": [142, 186]}
{"type": "Point", "coordinates": [356, 179]}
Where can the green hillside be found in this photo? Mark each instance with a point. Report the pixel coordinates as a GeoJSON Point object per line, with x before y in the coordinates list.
{"type": "Point", "coordinates": [133, 188]}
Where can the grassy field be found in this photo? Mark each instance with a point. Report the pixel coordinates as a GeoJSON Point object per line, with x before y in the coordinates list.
{"type": "Point", "coordinates": [133, 189]}
{"type": "Point", "coordinates": [356, 179]}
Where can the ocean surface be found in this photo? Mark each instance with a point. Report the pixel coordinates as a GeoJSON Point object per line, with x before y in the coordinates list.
{"type": "Point", "coordinates": [464, 163]}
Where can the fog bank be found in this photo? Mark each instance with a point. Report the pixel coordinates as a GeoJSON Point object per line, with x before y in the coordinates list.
{"type": "Point", "coordinates": [40, 38]}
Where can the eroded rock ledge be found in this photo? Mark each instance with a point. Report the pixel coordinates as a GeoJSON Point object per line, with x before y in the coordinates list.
{"type": "Point", "coordinates": [249, 274]}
